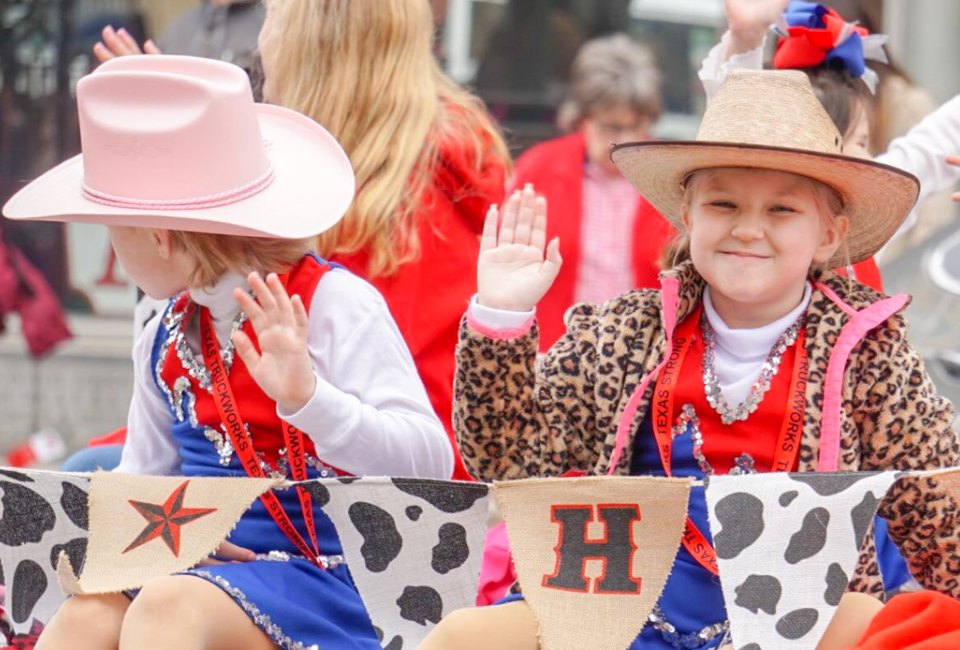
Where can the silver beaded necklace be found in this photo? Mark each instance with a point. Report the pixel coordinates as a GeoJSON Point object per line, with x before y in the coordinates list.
{"type": "Point", "coordinates": [711, 383]}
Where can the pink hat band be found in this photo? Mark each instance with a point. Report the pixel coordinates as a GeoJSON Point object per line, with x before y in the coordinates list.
{"type": "Point", "coordinates": [196, 203]}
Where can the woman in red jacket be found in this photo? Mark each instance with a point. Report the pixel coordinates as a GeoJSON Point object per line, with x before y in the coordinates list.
{"type": "Point", "coordinates": [427, 157]}
{"type": "Point", "coordinates": [610, 237]}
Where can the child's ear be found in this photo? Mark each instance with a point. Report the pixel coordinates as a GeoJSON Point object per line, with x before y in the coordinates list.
{"type": "Point", "coordinates": [685, 215]}
{"type": "Point", "coordinates": [834, 234]}
{"type": "Point", "coordinates": [163, 242]}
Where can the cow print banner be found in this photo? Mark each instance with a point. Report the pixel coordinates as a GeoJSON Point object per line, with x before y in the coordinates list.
{"type": "Point", "coordinates": [43, 514]}
{"type": "Point", "coordinates": [787, 545]}
{"type": "Point", "coordinates": [413, 547]}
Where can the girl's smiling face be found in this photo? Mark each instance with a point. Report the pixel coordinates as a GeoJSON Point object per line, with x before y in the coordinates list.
{"type": "Point", "coordinates": [754, 234]}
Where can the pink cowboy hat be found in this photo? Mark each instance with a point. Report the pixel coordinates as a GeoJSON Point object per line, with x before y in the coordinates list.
{"type": "Point", "coordinates": [177, 142]}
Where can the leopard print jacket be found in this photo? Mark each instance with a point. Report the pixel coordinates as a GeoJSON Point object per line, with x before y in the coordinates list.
{"type": "Point", "coordinates": [515, 418]}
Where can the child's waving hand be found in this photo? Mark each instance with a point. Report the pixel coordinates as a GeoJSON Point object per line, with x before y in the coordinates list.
{"type": "Point", "coordinates": [749, 20]}
{"type": "Point", "coordinates": [513, 270]}
{"type": "Point", "coordinates": [282, 367]}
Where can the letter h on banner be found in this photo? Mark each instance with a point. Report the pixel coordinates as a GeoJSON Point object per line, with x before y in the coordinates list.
{"type": "Point", "coordinates": [615, 549]}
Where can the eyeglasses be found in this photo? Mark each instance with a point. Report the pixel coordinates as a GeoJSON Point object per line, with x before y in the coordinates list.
{"type": "Point", "coordinates": [616, 129]}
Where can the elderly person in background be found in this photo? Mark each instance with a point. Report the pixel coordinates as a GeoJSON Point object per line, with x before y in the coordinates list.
{"type": "Point", "coordinates": [610, 237]}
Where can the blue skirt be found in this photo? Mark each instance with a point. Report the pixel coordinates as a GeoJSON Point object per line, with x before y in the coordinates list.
{"type": "Point", "coordinates": [297, 604]}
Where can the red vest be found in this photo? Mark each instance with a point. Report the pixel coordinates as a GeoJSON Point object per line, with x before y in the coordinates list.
{"type": "Point", "coordinates": [757, 435]}
{"type": "Point", "coordinates": [257, 411]}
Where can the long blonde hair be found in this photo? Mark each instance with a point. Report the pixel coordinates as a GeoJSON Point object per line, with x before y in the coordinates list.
{"type": "Point", "coordinates": [365, 70]}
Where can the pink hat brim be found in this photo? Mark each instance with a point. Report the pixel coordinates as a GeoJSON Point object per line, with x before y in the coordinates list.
{"type": "Point", "coordinates": [312, 189]}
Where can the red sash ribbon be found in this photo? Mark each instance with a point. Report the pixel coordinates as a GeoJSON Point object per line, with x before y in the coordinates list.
{"type": "Point", "coordinates": [664, 409]}
{"type": "Point", "coordinates": [227, 408]}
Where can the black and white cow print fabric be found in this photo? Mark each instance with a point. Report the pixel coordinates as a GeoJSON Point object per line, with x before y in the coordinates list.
{"type": "Point", "coordinates": [787, 545]}
{"type": "Point", "coordinates": [414, 548]}
{"type": "Point", "coordinates": [41, 515]}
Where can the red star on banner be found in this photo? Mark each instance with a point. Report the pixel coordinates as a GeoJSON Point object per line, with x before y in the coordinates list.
{"type": "Point", "coordinates": [165, 520]}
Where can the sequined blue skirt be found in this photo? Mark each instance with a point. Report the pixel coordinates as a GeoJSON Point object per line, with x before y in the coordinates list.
{"type": "Point", "coordinates": [298, 605]}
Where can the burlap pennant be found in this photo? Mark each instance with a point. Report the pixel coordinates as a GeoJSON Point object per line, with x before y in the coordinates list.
{"type": "Point", "coordinates": [143, 527]}
{"type": "Point", "coordinates": [44, 515]}
{"type": "Point", "coordinates": [413, 547]}
{"type": "Point", "coordinates": [593, 554]}
{"type": "Point", "coordinates": [787, 545]}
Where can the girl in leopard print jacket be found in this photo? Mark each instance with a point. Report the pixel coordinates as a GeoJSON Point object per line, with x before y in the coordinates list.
{"type": "Point", "coordinates": [752, 319]}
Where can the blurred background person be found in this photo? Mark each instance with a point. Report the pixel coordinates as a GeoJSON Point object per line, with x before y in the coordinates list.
{"type": "Point", "coordinates": [610, 237]}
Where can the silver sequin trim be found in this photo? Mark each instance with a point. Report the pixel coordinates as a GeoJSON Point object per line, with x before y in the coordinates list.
{"type": "Point", "coordinates": [194, 365]}
{"type": "Point", "coordinates": [742, 464]}
{"type": "Point", "coordinates": [326, 561]}
{"type": "Point", "coordinates": [221, 442]}
{"type": "Point", "coordinates": [283, 465]}
{"type": "Point", "coordinates": [181, 390]}
{"type": "Point", "coordinates": [171, 322]}
{"type": "Point", "coordinates": [263, 621]}
{"type": "Point", "coordinates": [688, 418]}
{"type": "Point", "coordinates": [711, 383]}
{"type": "Point", "coordinates": [682, 640]}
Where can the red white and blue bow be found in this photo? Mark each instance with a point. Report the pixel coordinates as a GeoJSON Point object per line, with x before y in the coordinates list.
{"type": "Point", "coordinates": [812, 34]}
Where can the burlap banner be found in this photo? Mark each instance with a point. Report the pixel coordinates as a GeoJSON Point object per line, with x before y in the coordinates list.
{"type": "Point", "coordinates": [413, 547]}
{"type": "Point", "coordinates": [596, 551]}
{"type": "Point", "coordinates": [143, 527]}
{"type": "Point", "coordinates": [44, 515]}
{"type": "Point", "coordinates": [787, 545]}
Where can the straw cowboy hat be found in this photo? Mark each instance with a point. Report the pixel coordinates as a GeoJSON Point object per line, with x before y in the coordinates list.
{"type": "Point", "coordinates": [177, 142]}
{"type": "Point", "coordinates": [772, 120]}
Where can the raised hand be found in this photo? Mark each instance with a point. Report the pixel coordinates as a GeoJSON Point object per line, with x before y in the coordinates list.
{"type": "Point", "coordinates": [118, 42]}
{"type": "Point", "coordinates": [513, 271]}
{"type": "Point", "coordinates": [282, 368]}
{"type": "Point", "coordinates": [749, 20]}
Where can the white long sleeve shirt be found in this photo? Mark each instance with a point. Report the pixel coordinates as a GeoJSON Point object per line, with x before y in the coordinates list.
{"type": "Point", "coordinates": [369, 414]}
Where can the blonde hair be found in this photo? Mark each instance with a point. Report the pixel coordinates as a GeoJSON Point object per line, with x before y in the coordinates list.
{"type": "Point", "coordinates": [365, 70]}
{"type": "Point", "coordinates": [611, 71]}
{"type": "Point", "coordinates": [829, 203]}
{"type": "Point", "coordinates": [214, 255]}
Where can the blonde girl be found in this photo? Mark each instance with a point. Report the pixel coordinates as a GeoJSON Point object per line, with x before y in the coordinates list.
{"type": "Point", "coordinates": [768, 205]}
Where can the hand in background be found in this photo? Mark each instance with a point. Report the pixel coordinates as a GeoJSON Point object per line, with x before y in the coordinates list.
{"type": "Point", "coordinates": [118, 42]}
{"type": "Point", "coordinates": [514, 269]}
{"type": "Point", "coordinates": [955, 161]}
{"type": "Point", "coordinates": [748, 21]}
{"type": "Point", "coordinates": [282, 367]}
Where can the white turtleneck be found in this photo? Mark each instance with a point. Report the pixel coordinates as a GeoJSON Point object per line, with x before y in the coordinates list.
{"type": "Point", "coordinates": [739, 356]}
{"type": "Point", "coordinates": [740, 353]}
{"type": "Point", "coordinates": [369, 414]}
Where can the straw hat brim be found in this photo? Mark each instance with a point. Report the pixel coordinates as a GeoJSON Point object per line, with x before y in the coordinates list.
{"type": "Point", "coordinates": [312, 188]}
{"type": "Point", "coordinates": [877, 197]}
